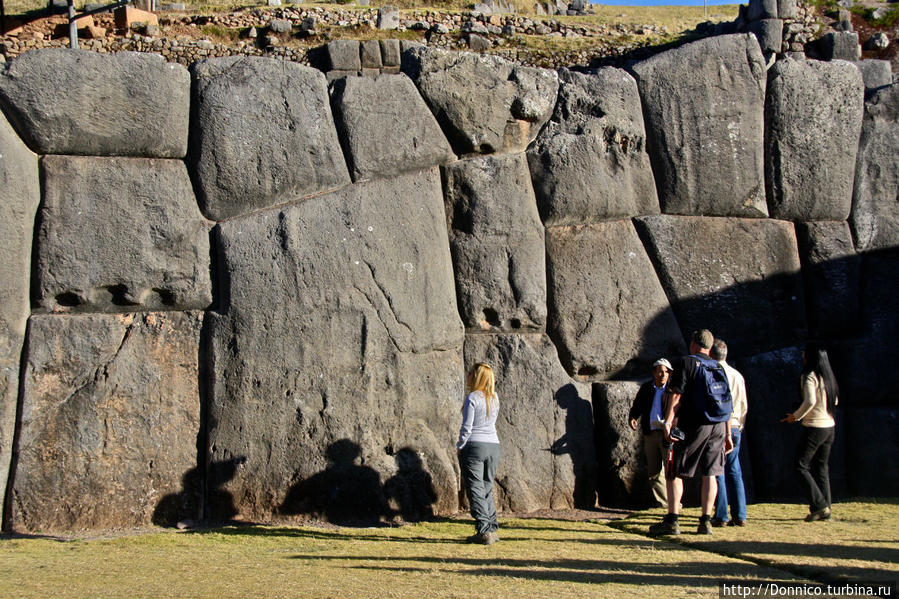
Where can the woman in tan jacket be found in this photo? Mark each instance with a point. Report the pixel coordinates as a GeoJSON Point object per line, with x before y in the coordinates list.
{"type": "Point", "coordinates": [820, 394]}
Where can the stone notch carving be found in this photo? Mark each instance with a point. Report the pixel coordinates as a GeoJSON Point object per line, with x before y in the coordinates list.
{"type": "Point", "coordinates": [341, 327]}
{"type": "Point", "coordinates": [20, 194]}
{"type": "Point", "coordinates": [875, 218]}
{"type": "Point", "coordinates": [814, 117]}
{"type": "Point", "coordinates": [65, 101]}
{"type": "Point", "coordinates": [110, 419]}
{"type": "Point", "coordinates": [704, 109]}
{"type": "Point", "coordinates": [120, 235]}
{"type": "Point", "coordinates": [484, 103]}
{"type": "Point", "coordinates": [386, 127]}
{"type": "Point", "coordinates": [751, 299]}
{"type": "Point", "coordinates": [545, 424]}
{"type": "Point", "coordinates": [251, 150]}
{"type": "Point", "coordinates": [590, 163]}
{"type": "Point", "coordinates": [608, 314]}
{"type": "Point", "coordinates": [496, 240]}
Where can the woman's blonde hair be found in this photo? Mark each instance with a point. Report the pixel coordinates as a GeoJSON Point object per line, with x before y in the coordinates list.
{"type": "Point", "coordinates": [481, 378]}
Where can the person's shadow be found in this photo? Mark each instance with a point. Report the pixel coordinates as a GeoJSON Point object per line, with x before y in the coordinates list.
{"type": "Point", "coordinates": [411, 488]}
{"type": "Point", "coordinates": [577, 441]}
{"type": "Point", "coordinates": [343, 493]}
{"type": "Point", "coordinates": [186, 508]}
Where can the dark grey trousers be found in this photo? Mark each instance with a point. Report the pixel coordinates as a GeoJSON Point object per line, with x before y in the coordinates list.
{"type": "Point", "coordinates": [478, 462]}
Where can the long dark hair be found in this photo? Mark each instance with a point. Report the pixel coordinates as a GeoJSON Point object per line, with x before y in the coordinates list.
{"type": "Point", "coordinates": [816, 361]}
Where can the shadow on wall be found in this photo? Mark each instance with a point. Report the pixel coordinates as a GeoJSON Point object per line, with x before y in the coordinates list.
{"type": "Point", "coordinates": [577, 442]}
{"type": "Point", "coordinates": [186, 506]}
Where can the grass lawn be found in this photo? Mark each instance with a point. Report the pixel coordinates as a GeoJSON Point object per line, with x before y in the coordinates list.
{"type": "Point", "coordinates": [535, 558]}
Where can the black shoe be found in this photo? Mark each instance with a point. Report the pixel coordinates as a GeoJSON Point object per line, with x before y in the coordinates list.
{"type": "Point", "coordinates": [718, 523]}
{"type": "Point", "coordinates": [737, 523]}
{"type": "Point", "coordinates": [822, 514]}
{"type": "Point", "coordinates": [704, 528]}
{"type": "Point", "coordinates": [479, 538]}
{"type": "Point", "coordinates": [664, 528]}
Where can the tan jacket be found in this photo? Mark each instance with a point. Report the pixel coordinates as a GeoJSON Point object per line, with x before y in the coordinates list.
{"type": "Point", "coordinates": [813, 411]}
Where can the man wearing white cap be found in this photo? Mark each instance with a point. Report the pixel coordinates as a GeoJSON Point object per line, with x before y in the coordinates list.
{"type": "Point", "coordinates": [648, 407]}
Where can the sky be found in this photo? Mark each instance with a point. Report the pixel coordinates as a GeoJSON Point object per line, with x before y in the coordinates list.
{"type": "Point", "coordinates": [666, 2]}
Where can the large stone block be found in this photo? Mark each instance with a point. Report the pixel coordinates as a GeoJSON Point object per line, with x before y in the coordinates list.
{"type": "Point", "coordinates": [590, 162]}
{"type": "Point", "coordinates": [344, 55]}
{"type": "Point", "coordinates": [484, 103]}
{"type": "Point", "coordinates": [20, 194]}
{"type": "Point", "coordinates": [110, 420]}
{"type": "Point", "coordinates": [386, 127]}
{"type": "Point", "coordinates": [251, 150]}
{"type": "Point", "coordinates": [545, 424]}
{"type": "Point", "coordinates": [831, 271]}
{"type": "Point", "coordinates": [120, 234]}
{"type": "Point", "coordinates": [66, 101]}
{"type": "Point", "coordinates": [769, 33]}
{"type": "Point", "coordinates": [814, 117]}
{"type": "Point", "coordinates": [762, 9]}
{"type": "Point", "coordinates": [875, 219]}
{"type": "Point", "coordinates": [496, 239]}
{"type": "Point", "coordinates": [751, 299]}
{"type": "Point", "coordinates": [838, 45]}
{"type": "Point", "coordinates": [704, 109]}
{"type": "Point", "coordinates": [875, 73]}
{"type": "Point", "coordinates": [872, 443]}
{"type": "Point", "coordinates": [340, 342]}
{"type": "Point", "coordinates": [608, 314]}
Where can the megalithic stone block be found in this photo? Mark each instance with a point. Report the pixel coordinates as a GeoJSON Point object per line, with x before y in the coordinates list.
{"type": "Point", "coordinates": [65, 101]}
{"type": "Point", "coordinates": [704, 108]}
{"type": "Point", "coordinates": [814, 117]}
{"type": "Point", "coordinates": [590, 163]}
{"type": "Point", "coordinates": [340, 341]}
{"type": "Point", "coordinates": [496, 240]}
{"type": "Point", "coordinates": [119, 235]}
{"type": "Point", "coordinates": [251, 150]}
{"type": "Point", "coordinates": [110, 418]}
{"type": "Point", "coordinates": [20, 194]}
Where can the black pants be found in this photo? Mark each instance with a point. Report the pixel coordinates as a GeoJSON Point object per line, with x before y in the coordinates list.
{"type": "Point", "coordinates": [811, 464]}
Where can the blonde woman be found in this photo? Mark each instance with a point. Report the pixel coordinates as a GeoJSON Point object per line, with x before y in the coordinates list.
{"type": "Point", "coordinates": [478, 449]}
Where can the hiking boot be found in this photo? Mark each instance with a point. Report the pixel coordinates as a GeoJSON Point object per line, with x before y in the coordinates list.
{"type": "Point", "coordinates": [664, 528]}
{"type": "Point", "coordinates": [704, 528]}
{"type": "Point", "coordinates": [737, 523]}
{"type": "Point", "coordinates": [718, 523]}
{"type": "Point", "coordinates": [822, 514]}
{"type": "Point", "coordinates": [479, 538]}
{"type": "Point", "coordinates": [491, 537]}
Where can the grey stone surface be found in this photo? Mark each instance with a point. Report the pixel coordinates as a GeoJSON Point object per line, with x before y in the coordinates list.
{"type": "Point", "coordinates": [608, 314]}
{"type": "Point", "coordinates": [704, 108]}
{"type": "Point", "coordinates": [344, 55]}
{"type": "Point", "coordinates": [590, 163]}
{"type": "Point", "coordinates": [814, 117]}
{"type": "Point", "coordinates": [545, 424]}
{"type": "Point", "coordinates": [251, 150]}
{"type": "Point", "coordinates": [280, 25]}
{"type": "Point", "coordinates": [831, 271]}
{"type": "Point", "coordinates": [478, 43]}
{"type": "Point", "coordinates": [875, 220]}
{"type": "Point", "coordinates": [762, 9]}
{"type": "Point", "coordinates": [878, 41]}
{"type": "Point", "coordinates": [79, 102]}
{"type": "Point", "coordinates": [787, 9]}
{"type": "Point", "coordinates": [388, 17]}
{"type": "Point", "coordinates": [390, 53]}
{"type": "Point", "coordinates": [370, 54]}
{"type": "Point", "coordinates": [340, 339]}
{"type": "Point", "coordinates": [873, 431]}
{"type": "Point", "coordinates": [484, 103]}
{"type": "Point", "coordinates": [839, 45]}
{"type": "Point", "coordinates": [386, 127]}
{"type": "Point", "coordinates": [496, 240]}
{"type": "Point", "coordinates": [769, 33]}
{"type": "Point", "coordinates": [751, 299]}
{"type": "Point", "coordinates": [120, 235]}
{"type": "Point", "coordinates": [110, 419]}
{"type": "Point", "coordinates": [875, 73]}
{"type": "Point", "coordinates": [20, 194]}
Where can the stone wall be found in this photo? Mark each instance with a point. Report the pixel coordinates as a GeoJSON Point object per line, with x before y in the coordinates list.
{"type": "Point", "coordinates": [254, 295]}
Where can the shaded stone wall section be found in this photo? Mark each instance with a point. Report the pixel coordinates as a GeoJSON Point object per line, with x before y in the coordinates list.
{"type": "Point", "coordinates": [65, 101]}
{"type": "Point", "coordinates": [110, 418]}
{"type": "Point", "coordinates": [119, 235]}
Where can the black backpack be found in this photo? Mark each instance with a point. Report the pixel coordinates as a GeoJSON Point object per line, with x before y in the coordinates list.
{"type": "Point", "coordinates": [710, 391]}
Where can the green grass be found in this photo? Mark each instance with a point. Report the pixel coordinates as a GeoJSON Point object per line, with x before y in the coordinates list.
{"type": "Point", "coordinates": [535, 558]}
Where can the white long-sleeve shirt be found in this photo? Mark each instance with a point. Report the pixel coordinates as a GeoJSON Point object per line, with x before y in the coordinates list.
{"type": "Point", "coordinates": [477, 425]}
{"type": "Point", "coordinates": [738, 394]}
{"type": "Point", "coordinates": [813, 411]}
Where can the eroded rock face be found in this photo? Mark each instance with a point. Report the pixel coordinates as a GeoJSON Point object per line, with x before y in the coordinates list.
{"type": "Point", "coordinates": [340, 345]}
{"type": "Point", "coordinates": [386, 126]}
{"type": "Point", "coordinates": [484, 103]}
{"type": "Point", "coordinates": [110, 419]}
{"type": "Point", "coordinates": [704, 109]}
{"type": "Point", "coordinates": [251, 150]}
{"type": "Point", "coordinates": [608, 314]}
{"type": "Point", "coordinates": [120, 234]}
{"type": "Point", "coordinates": [20, 194]}
{"type": "Point", "coordinates": [867, 477]}
{"type": "Point", "coordinates": [814, 115]}
{"type": "Point", "coordinates": [65, 101]}
{"type": "Point", "coordinates": [590, 162]}
{"type": "Point", "coordinates": [875, 218]}
{"type": "Point", "coordinates": [750, 298]}
{"type": "Point", "coordinates": [496, 239]}
{"type": "Point", "coordinates": [545, 424]}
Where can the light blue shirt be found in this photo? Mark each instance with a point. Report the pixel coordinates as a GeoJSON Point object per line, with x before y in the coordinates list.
{"type": "Point", "coordinates": [477, 425]}
{"type": "Point", "coordinates": [655, 413]}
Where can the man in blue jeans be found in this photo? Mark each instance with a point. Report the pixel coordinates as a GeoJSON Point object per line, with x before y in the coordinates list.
{"type": "Point", "coordinates": [730, 484]}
